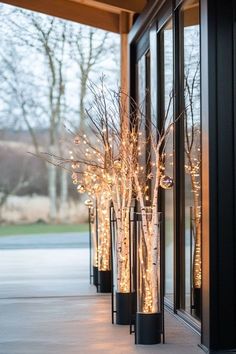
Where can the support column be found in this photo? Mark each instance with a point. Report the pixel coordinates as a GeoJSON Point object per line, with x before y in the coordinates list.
{"type": "Point", "coordinates": [125, 24]}
{"type": "Point", "coordinates": [218, 166]}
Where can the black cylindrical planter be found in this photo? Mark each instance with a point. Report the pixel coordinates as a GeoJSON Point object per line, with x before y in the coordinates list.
{"type": "Point", "coordinates": [95, 276]}
{"type": "Point", "coordinates": [197, 301]}
{"type": "Point", "coordinates": [104, 281]}
{"type": "Point", "coordinates": [148, 328]}
{"type": "Point", "coordinates": [125, 307]}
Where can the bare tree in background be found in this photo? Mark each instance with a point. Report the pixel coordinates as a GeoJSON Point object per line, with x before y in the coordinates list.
{"type": "Point", "coordinates": [87, 54]}
{"type": "Point", "coordinates": [9, 187]}
{"type": "Point", "coordinates": [38, 62]}
{"type": "Point", "coordinates": [48, 41]}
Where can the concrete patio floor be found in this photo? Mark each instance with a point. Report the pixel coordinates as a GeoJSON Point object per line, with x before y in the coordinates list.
{"type": "Point", "coordinates": [48, 307]}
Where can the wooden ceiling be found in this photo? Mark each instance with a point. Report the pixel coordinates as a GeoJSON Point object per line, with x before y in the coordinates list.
{"type": "Point", "coordinates": [103, 14]}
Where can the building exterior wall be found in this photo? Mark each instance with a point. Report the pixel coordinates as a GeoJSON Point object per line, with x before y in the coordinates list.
{"type": "Point", "coordinates": [218, 116]}
{"type": "Point", "coordinates": [212, 309]}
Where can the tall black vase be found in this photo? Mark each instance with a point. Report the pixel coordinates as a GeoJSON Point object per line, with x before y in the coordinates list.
{"type": "Point", "coordinates": [95, 276]}
{"type": "Point", "coordinates": [197, 302]}
{"type": "Point", "coordinates": [148, 328]}
{"type": "Point", "coordinates": [104, 281]}
{"type": "Point", "coordinates": [125, 308]}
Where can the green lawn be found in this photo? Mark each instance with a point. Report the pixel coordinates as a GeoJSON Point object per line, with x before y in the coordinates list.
{"type": "Point", "coordinates": [40, 229]}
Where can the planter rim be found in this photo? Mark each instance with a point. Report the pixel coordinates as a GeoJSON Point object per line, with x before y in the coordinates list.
{"type": "Point", "coordinates": [149, 313]}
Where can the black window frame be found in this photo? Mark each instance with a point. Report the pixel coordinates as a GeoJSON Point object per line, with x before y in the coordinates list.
{"type": "Point", "coordinates": [139, 45]}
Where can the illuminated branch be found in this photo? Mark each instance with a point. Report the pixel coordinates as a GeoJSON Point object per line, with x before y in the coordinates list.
{"type": "Point", "coordinates": [105, 164]}
{"type": "Point", "coordinates": [192, 167]}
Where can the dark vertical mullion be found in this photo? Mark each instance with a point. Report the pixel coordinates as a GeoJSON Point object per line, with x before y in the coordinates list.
{"type": "Point", "coordinates": [226, 155]}
{"type": "Point", "coordinates": [148, 121]}
{"type": "Point", "coordinates": [160, 55]}
{"type": "Point", "coordinates": [219, 253]}
{"type": "Point", "coordinates": [160, 98]}
{"type": "Point", "coordinates": [234, 109]}
{"type": "Point", "coordinates": [161, 111]}
{"type": "Point", "coordinates": [208, 78]}
{"type": "Point", "coordinates": [205, 45]}
{"type": "Point", "coordinates": [132, 77]}
{"type": "Point", "coordinates": [178, 168]}
{"type": "Point", "coordinates": [153, 83]}
{"type": "Point", "coordinates": [175, 170]}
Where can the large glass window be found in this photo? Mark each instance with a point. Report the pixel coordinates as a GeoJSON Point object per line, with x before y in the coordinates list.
{"type": "Point", "coordinates": [166, 49]}
{"type": "Point", "coordinates": [190, 40]}
{"type": "Point", "coordinates": [181, 206]}
{"type": "Point", "coordinates": [143, 100]}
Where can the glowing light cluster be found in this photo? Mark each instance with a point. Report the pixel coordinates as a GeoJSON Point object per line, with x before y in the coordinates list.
{"type": "Point", "coordinates": [104, 238]}
{"type": "Point", "coordinates": [94, 237]}
{"type": "Point", "coordinates": [193, 169]}
{"type": "Point", "coordinates": [149, 262]}
{"type": "Point", "coordinates": [123, 252]}
{"type": "Point", "coordinates": [92, 179]}
{"type": "Point", "coordinates": [108, 165]}
{"type": "Point", "coordinates": [111, 166]}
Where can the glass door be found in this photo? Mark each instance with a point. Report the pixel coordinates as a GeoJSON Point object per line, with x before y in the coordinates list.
{"type": "Point", "coordinates": [168, 57]}
{"type": "Point", "coordinates": [144, 104]}
{"type": "Point", "coordinates": [166, 105]}
{"type": "Point", "coordinates": [191, 135]}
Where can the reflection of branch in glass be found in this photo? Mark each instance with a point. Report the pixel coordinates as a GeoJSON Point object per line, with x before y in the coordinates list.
{"type": "Point", "coordinates": [149, 246]}
{"type": "Point", "coordinates": [193, 163]}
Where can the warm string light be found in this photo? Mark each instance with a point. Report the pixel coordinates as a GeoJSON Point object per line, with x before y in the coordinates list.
{"type": "Point", "coordinates": [92, 179]}
{"type": "Point", "coordinates": [193, 169]}
{"type": "Point", "coordinates": [122, 249]}
{"type": "Point", "coordinates": [151, 175]}
{"type": "Point", "coordinates": [107, 165]}
{"type": "Point", "coordinates": [93, 221]}
{"type": "Point", "coordinates": [149, 263]}
{"type": "Point", "coordinates": [123, 170]}
{"type": "Point", "coordinates": [94, 239]}
{"type": "Point", "coordinates": [104, 241]}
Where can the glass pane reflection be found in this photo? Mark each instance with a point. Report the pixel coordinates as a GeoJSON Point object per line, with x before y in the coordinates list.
{"type": "Point", "coordinates": [167, 77]}
{"type": "Point", "coordinates": [192, 157]}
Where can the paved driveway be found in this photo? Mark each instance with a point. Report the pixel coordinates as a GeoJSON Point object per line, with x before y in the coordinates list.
{"type": "Point", "coordinates": [45, 241]}
{"type": "Point", "coordinates": [48, 307]}
{"type": "Point", "coordinates": [44, 265]}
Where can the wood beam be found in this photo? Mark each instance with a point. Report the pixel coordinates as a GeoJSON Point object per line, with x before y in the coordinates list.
{"type": "Point", "coordinates": [70, 10]}
{"type": "Point", "coordinates": [124, 29]}
{"type": "Point", "coordinates": [135, 6]}
{"type": "Point", "coordinates": [124, 61]}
